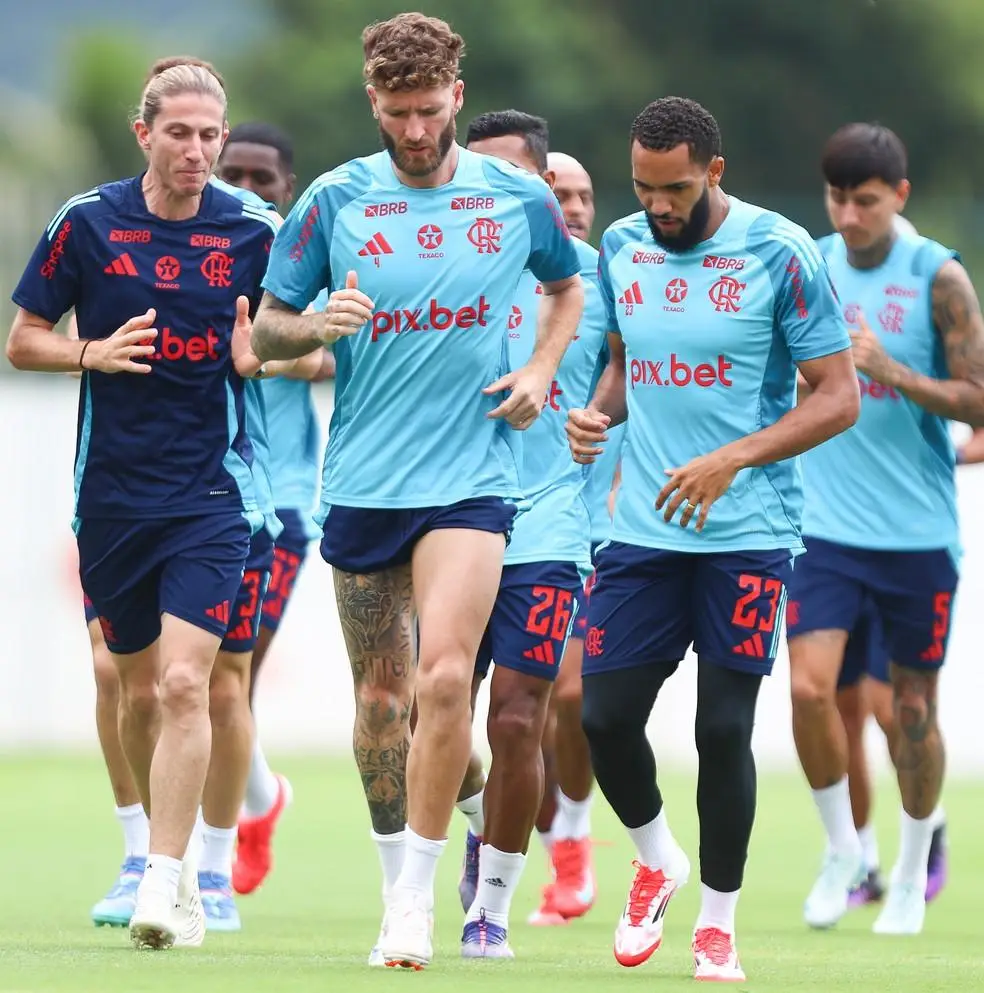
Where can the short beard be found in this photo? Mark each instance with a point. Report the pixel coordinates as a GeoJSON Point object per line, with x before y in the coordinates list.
{"type": "Point", "coordinates": [692, 232]}
{"type": "Point", "coordinates": [420, 168]}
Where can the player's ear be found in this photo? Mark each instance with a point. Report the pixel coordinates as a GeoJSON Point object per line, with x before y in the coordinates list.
{"type": "Point", "coordinates": [142, 132]}
{"type": "Point", "coordinates": [902, 192]}
{"type": "Point", "coordinates": [458, 95]}
{"type": "Point", "coordinates": [550, 177]}
{"type": "Point", "coordinates": [371, 93]}
{"type": "Point", "coordinates": [715, 171]}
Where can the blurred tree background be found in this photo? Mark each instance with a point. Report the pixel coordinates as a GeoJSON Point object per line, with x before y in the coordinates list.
{"type": "Point", "coordinates": [779, 75]}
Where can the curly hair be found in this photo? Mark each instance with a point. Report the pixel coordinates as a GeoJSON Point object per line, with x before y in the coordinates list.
{"type": "Point", "coordinates": [410, 52]}
{"type": "Point", "coordinates": [674, 121]}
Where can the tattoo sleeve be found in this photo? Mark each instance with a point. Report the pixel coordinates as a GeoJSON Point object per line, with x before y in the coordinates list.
{"type": "Point", "coordinates": [957, 316]}
{"type": "Point", "coordinates": [376, 614]}
{"type": "Point", "coordinates": [919, 754]}
{"type": "Point", "coordinates": [281, 332]}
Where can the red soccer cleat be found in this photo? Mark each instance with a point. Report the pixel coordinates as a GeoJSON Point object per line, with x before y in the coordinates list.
{"type": "Point", "coordinates": [254, 857]}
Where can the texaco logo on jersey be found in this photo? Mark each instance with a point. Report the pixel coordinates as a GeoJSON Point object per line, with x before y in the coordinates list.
{"type": "Point", "coordinates": [430, 237]}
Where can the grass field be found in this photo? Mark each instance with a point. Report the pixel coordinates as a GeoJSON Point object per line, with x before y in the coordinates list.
{"type": "Point", "coordinates": [310, 927]}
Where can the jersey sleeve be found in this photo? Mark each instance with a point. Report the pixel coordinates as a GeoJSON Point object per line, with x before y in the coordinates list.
{"type": "Point", "coordinates": [807, 311]}
{"type": "Point", "coordinates": [605, 285]}
{"type": "Point", "coordinates": [270, 222]}
{"type": "Point", "coordinates": [49, 286]}
{"type": "Point", "coordinates": [300, 257]}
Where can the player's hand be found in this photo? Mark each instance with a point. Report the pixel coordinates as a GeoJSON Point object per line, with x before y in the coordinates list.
{"type": "Point", "coordinates": [118, 352]}
{"type": "Point", "coordinates": [870, 356]}
{"type": "Point", "coordinates": [243, 358]}
{"type": "Point", "coordinates": [586, 431]}
{"type": "Point", "coordinates": [348, 310]}
{"type": "Point", "coordinates": [699, 483]}
{"type": "Point", "coordinates": [527, 394]}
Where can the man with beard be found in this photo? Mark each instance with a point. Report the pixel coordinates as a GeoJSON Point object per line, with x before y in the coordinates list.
{"type": "Point", "coordinates": [425, 243]}
{"type": "Point", "coordinates": [713, 304]}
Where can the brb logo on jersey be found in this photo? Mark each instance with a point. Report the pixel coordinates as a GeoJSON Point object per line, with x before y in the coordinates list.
{"type": "Point", "coordinates": [676, 372]}
{"type": "Point", "coordinates": [433, 317]}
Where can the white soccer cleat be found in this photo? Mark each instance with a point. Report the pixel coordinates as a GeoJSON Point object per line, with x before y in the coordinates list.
{"type": "Point", "coordinates": [904, 911]}
{"type": "Point", "coordinates": [715, 956]}
{"type": "Point", "coordinates": [640, 930]}
{"type": "Point", "coordinates": [161, 921]}
{"type": "Point", "coordinates": [828, 900]}
{"type": "Point", "coordinates": [405, 941]}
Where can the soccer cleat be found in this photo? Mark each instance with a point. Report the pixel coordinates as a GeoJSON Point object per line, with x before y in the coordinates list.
{"type": "Point", "coordinates": [220, 907]}
{"type": "Point", "coordinates": [254, 858]}
{"type": "Point", "coordinates": [937, 864]}
{"type": "Point", "coordinates": [828, 900]}
{"type": "Point", "coordinates": [116, 908]}
{"type": "Point", "coordinates": [547, 914]}
{"type": "Point", "coordinates": [161, 921]}
{"type": "Point", "coordinates": [482, 939]}
{"type": "Point", "coordinates": [468, 883]}
{"type": "Point", "coordinates": [640, 931]}
{"type": "Point", "coordinates": [406, 940]}
{"type": "Point", "coordinates": [715, 956]}
{"type": "Point", "coordinates": [574, 882]}
{"type": "Point", "coordinates": [904, 911]}
{"type": "Point", "coordinates": [871, 889]}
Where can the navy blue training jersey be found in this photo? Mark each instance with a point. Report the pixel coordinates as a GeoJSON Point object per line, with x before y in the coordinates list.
{"type": "Point", "coordinates": [171, 443]}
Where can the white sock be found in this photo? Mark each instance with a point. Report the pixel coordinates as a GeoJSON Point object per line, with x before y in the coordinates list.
{"type": "Point", "coordinates": [717, 909]}
{"type": "Point", "coordinates": [196, 843]}
{"type": "Point", "coordinates": [834, 804]}
{"type": "Point", "coordinates": [420, 863]}
{"type": "Point", "coordinates": [473, 807]}
{"type": "Point", "coordinates": [869, 847]}
{"type": "Point", "coordinates": [914, 841]}
{"type": "Point", "coordinates": [262, 786]}
{"type": "Point", "coordinates": [498, 876]}
{"type": "Point", "coordinates": [573, 820]}
{"type": "Point", "coordinates": [163, 872]}
{"type": "Point", "coordinates": [938, 817]}
{"type": "Point", "coordinates": [655, 843]}
{"type": "Point", "coordinates": [392, 850]}
{"type": "Point", "coordinates": [136, 830]}
{"type": "Point", "coordinates": [217, 849]}
{"type": "Point", "coordinates": [546, 838]}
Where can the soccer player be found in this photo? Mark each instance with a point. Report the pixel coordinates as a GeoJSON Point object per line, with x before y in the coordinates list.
{"type": "Point", "coordinates": [546, 562]}
{"type": "Point", "coordinates": [259, 157]}
{"type": "Point", "coordinates": [165, 504]}
{"type": "Point", "coordinates": [564, 821]}
{"type": "Point", "coordinates": [897, 545]}
{"type": "Point", "coordinates": [712, 304]}
{"type": "Point", "coordinates": [423, 246]}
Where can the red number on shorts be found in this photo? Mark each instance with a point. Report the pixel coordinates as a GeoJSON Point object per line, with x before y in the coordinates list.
{"type": "Point", "coordinates": [941, 607]}
{"type": "Point", "coordinates": [562, 615]}
{"type": "Point", "coordinates": [538, 621]}
{"type": "Point", "coordinates": [284, 572]}
{"type": "Point", "coordinates": [252, 580]}
{"type": "Point", "coordinates": [746, 616]}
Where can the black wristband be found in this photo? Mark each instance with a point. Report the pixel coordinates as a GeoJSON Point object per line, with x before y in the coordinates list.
{"type": "Point", "coordinates": [82, 353]}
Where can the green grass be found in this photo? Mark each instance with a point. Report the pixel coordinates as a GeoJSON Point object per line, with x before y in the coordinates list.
{"type": "Point", "coordinates": [311, 926]}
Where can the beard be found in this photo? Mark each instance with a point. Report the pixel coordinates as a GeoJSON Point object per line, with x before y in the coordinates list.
{"type": "Point", "coordinates": [692, 232]}
{"type": "Point", "coordinates": [420, 164]}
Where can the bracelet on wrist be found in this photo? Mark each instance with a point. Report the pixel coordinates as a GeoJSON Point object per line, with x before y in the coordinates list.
{"type": "Point", "coordinates": [85, 345]}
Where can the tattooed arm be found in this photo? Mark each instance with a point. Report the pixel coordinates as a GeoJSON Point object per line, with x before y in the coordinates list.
{"type": "Point", "coordinates": [376, 614]}
{"type": "Point", "coordinates": [957, 316]}
{"type": "Point", "coordinates": [281, 332]}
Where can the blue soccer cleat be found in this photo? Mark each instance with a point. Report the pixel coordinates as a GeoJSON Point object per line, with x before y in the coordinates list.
{"type": "Point", "coordinates": [221, 913]}
{"type": "Point", "coordinates": [116, 908]}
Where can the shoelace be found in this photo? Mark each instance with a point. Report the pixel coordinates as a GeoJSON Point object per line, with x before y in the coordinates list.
{"type": "Point", "coordinates": [568, 863]}
{"type": "Point", "coordinates": [714, 944]}
{"type": "Point", "coordinates": [645, 887]}
{"type": "Point", "coordinates": [484, 932]}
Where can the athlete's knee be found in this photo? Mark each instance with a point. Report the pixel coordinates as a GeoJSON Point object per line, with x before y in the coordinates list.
{"type": "Point", "coordinates": [723, 725]}
{"type": "Point", "coordinates": [516, 717]}
{"type": "Point", "coordinates": [914, 695]}
{"type": "Point", "coordinates": [603, 712]}
{"type": "Point", "coordinates": [106, 676]}
{"type": "Point", "coordinates": [444, 684]}
{"type": "Point", "coordinates": [810, 689]}
{"type": "Point", "coordinates": [184, 687]}
{"type": "Point", "coordinates": [228, 691]}
{"type": "Point", "coordinates": [379, 708]}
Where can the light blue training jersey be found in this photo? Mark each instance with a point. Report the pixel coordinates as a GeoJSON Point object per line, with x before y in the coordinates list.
{"type": "Point", "coordinates": [888, 482]}
{"type": "Point", "coordinates": [410, 426]}
{"type": "Point", "coordinates": [712, 336]}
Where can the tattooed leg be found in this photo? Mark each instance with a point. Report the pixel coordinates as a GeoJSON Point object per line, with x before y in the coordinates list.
{"type": "Point", "coordinates": [376, 614]}
{"type": "Point", "coordinates": [918, 752]}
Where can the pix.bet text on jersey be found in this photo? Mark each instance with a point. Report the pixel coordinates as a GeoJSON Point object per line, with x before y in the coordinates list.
{"type": "Point", "coordinates": [441, 265]}
{"type": "Point", "coordinates": [711, 338]}
{"type": "Point", "coordinates": [172, 443]}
